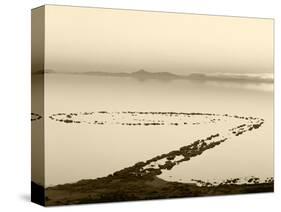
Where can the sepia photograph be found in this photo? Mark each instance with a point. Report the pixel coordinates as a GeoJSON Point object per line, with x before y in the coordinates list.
{"type": "Point", "coordinates": [138, 105]}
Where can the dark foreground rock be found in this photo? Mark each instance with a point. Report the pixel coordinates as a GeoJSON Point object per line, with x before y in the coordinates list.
{"type": "Point", "coordinates": [112, 189]}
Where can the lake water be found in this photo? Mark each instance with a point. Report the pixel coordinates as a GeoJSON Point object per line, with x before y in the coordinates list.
{"type": "Point", "coordinates": [85, 151]}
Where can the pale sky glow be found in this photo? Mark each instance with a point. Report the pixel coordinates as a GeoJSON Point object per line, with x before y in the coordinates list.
{"type": "Point", "coordinates": [88, 39]}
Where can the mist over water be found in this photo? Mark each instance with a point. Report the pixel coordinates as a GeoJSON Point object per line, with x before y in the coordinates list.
{"type": "Point", "coordinates": [85, 151]}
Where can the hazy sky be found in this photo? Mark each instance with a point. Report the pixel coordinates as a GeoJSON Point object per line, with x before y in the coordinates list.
{"type": "Point", "coordinates": [90, 39]}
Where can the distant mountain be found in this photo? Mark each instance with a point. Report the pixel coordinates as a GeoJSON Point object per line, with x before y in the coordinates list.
{"type": "Point", "coordinates": [109, 74]}
{"type": "Point", "coordinates": [158, 75]}
{"type": "Point", "coordinates": [141, 74]}
{"type": "Point", "coordinates": [167, 76]}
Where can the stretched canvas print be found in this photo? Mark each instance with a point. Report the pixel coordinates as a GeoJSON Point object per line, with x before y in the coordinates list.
{"type": "Point", "coordinates": [138, 105]}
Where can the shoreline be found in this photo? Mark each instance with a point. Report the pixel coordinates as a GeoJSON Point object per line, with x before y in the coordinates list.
{"type": "Point", "coordinates": [112, 189]}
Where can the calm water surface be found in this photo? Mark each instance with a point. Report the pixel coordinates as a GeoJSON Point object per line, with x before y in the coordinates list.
{"type": "Point", "coordinates": [84, 151]}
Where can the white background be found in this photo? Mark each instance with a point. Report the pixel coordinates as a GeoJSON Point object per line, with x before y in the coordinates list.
{"type": "Point", "coordinates": [15, 105]}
